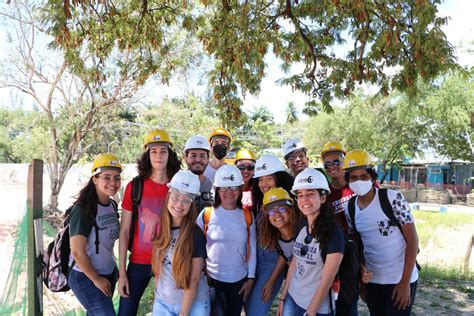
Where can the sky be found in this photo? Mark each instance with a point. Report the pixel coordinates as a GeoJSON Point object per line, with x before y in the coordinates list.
{"type": "Point", "coordinates": [459, 31]}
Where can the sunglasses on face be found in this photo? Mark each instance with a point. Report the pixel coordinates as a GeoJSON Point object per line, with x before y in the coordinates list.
{"type": "Point", "coordinates": [335, 163]}
{"type": "Point", "coordinates": [305, 248]}
{"type": "Point", "coordinates": [226, 189]}
{"type": "Point", "coordinates": [242, 167]}
{"type": "Point", "coordinates": [276, 209]}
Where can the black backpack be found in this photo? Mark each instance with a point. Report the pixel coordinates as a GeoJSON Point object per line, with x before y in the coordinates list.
{"type": "Point", "coordinates": [137, 193]}
{"type": "Point", "coordinates": [56, 258]}
{"type": "Point", "coordinates": [387, 210]}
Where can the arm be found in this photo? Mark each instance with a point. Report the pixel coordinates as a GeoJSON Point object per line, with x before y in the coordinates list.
{"type": "Point", "coordinates": [333, 260]}
{"type": "Point", "coordinates": [268, 287]}
{"type": "Point", "coordinates": [124, 236]}
{"type": "Point", "coordinates": [78, 245]}
{"type": "Point", "coordinates": [401, 292]}
{"type": "Point", "coordinates": [190, 293]}
{"type": "Point", "coordinates": [284, 292]}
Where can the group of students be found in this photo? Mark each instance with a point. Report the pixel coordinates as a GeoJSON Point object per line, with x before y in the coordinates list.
{"type": "Point", "coordinates": [220, 238]}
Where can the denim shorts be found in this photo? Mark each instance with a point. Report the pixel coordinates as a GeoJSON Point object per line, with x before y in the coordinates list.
{"type": "Point", "coordinates": [199, 308]}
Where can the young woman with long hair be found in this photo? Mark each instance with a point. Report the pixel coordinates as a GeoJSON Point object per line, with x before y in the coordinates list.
{"type": "Point", "coordinates": [245, 161]}
{"type": "Point", "coordinates": [156, 166]}
{"type": "Point", "coordinates": [93, 230]}
{"type": "Point", "coordinates": [179, 253]}
{"type": "Point", "coordinates": [317, 252]}
{"type": "Point", "coordinates": [269, 173]}
{"type": "Point", "coordinates": [231, 241]}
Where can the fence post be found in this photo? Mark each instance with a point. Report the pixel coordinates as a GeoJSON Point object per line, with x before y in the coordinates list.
{"type": "Point", "coordinates": [467, 257]}
{"type": "Point", "coordinates": [35, 237]}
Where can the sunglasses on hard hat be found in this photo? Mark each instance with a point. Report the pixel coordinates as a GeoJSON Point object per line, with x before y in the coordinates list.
{"type": "Point", "coordinates": [250, 167]}
{"type": "Point", "coordinates": [335, 163]}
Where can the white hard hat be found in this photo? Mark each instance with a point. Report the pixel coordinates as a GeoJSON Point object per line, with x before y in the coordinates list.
{"type": "Point", "coordinates": [185, 181]}
{"type": "Point", "coordinates": [228, 176]}
{"type": "Point", "coordinates": [291, 145]}
{"type": "Point", "coordinates": [197, 142]}
{"type": "Point", "coordinates": [310, 178]}
{"type": "Point", "coordinates": [266, 165]}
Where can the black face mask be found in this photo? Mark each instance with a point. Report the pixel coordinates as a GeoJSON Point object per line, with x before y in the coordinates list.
{"type": "Point", "coordinates": [219, 151]}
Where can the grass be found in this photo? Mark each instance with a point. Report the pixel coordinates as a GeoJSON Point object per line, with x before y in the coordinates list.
{"type": "Point", "coordinates": [433, 273]}
{"type": "Point", "coordinates": [427, 223]}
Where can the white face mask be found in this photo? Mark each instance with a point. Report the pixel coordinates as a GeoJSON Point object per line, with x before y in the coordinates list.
{"type": "Point", "coordinates": [360, 187]}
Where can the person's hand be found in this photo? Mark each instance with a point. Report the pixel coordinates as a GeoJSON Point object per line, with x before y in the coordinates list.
{"type": "Point", "coordinates": [246, 288]}
{"type": "Point", "coordinates": [280, 308]}
{"type": "Point", "coordinates": [104, 285]}
{"type": "Point", "coordinates": [401, 295]}
{"type": "Point", "coordinates": [267, 291]}
{"type": "Point", "coordinates": [123, 287]}
{"type": "Point", "coordinates": [366, 275]}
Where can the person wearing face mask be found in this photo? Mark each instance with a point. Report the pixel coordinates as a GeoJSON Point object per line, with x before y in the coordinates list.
{"type": "Point", "coordinates": [196, 155]}
{"type": "Point", "coordinates": [389, 248]}
{"type": "Point", "coordinates": [219, 140]}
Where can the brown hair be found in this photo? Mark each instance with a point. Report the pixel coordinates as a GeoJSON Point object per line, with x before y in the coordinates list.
{"type": "Point", "coordinates": [182, 257]}
{"type": "Point", "coordinates": [269, 234]}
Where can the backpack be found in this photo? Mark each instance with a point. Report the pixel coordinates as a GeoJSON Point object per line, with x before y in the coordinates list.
{"type": "Point", "coordinates": [137, 193]}
{"type": "Point", "coordinates": [56, 259]}
{"type": "Point", "coordinates": [387, 210]}
{"type": "Point", "coordinates": [248, 220]}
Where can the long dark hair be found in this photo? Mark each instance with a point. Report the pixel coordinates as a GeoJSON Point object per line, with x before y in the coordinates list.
{"type": "Point", "coordinates": [282, 179]}
{"type": "Point", "coordinates": [218, 201]}
{"type": "Point", "coordinates": [325, 223]}
{"type": "Point", "coordinates": [87, 199]}
{"type": "Point", "coordinates": [145, 169]}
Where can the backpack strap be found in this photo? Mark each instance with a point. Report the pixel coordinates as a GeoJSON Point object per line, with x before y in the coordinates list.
{"type": "Point", "coordinates": [351, 209]}
{"type": "Point", "coordinates": [205, 218]}
{"type": "Point", "coordinates": [137, 193]}
{"type": "Point", "coordinates": [248, 221]}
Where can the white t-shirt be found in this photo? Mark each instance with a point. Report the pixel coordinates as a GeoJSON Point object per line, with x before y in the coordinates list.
{"type": "Point", "coordinates": [227, 243]}
{"type": "Point", "coordinates": [384, 245]}
{"type": "Point", "coordinates": [287, 247]}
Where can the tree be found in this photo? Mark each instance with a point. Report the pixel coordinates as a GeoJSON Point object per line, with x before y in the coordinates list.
{"type": "Point", "coordinates": [291, 113]}
{"type": "Point", "coordinates": [389, 44]}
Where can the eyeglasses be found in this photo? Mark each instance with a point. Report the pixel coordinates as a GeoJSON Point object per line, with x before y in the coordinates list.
{"type": "Point", "coordinates": [110, 178]}
{"type": "Point", "coordinates": [277, 209]}
{"type": "Point", "coordinates": [305, 248]}
{"type": "Point", "coordinates": [335, 163]}
{"type": "Point", "coordinates": [175, 197]}
{"type": "Point", "coordinates": [242, 167]}
{"type": "Point", "coordinates": [226, 189]}
{"type": "Point", "coordinates": [301, 156]}
{"type": "Point", "coordinates": [363, 177]}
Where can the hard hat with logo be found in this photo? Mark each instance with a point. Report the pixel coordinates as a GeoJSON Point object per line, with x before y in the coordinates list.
{"type": "Point", "coordinates": [220, 132]}
{"type": "Point", "coordinates": [357, 158]}
{"type": "Point", "coordinates": [276, 196]}
{"type": "Point", "coordinates": [310, 178]}
{"type": "Point", "coordinates": [332, 147]}
{"type": "Point", "coordinates": [197, 142]}
{"type": "Point", "coordinates": [106, 160]}
{"type": "Point", "coordinates": [291, 145]}
{"type": "Point", "coordinates": [157, 136]}
{"type": "Point", "coordinates": [266, 165]}
{"type": "Point", "coordinates": [228, 176]}
{"type": "Point", "coordinates": [245, 154]}
{"type": "Point", "coordinates": [186, 182]}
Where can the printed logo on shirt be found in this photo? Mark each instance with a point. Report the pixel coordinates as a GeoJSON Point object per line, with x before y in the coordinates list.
{"type": "Point", "coordinates": [169, 252]}
{"type": "Point", "coordinates": [109, 222]}
{"type": "Point", "coordinates": [339, 204]}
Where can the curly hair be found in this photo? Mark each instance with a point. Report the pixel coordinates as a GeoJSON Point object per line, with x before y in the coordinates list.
{"type": "Point", "coordinates": [269, 234]}
{"type": "Point", "coordinates": [145, 169]}
{"type": "Point", "coordinates": [282, 179]}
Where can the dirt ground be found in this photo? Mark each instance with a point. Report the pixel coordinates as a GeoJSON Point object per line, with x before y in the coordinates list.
{"type": "Point", "coordinates": [437, 297]}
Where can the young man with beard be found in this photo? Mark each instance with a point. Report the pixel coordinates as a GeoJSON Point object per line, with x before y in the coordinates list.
{"type": "Point", "coordinates": [219, 140]}
{"type": "Point", "coordinates": [294, 153]}
{"type": "Point", "coordinates": [196, 155]}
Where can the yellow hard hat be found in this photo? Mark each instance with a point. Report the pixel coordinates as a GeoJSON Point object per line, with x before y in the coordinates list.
{"type": "Point", "coordinates": [220, 132]}
{"type": "Point", "coordinates": [332, 147]}
{"type": "Point", "coordinates": [276, 195]}
{"type": "Point", "coordinates": [105, 160]}
{"type": "Point", "coordinates": [157, 136]}
{"type": "Point", "coordinates": [245, 154]}
{"type": "Point", "coordinates": [357, 158]}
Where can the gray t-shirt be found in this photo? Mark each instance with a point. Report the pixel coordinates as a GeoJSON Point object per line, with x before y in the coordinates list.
{"type": "Point", "coordinates": [210, 172]}
{"type": "Point", "coordinates": [207, 195]}
{"type": "Point", "coordinates": [287, 247]}
{"type": "Point", "coordinates": [309, 268]}
{"type": "Point", "coordinates": [108, 225]}
{"type": "Point", "coordinates": [166, 290]}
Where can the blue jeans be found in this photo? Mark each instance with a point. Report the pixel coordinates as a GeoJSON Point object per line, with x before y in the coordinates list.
{"type": "Point", "coordinates": [290, 308]}
{"type": "Point", "coordinates": [380, 303]}
{"type": "Point", "coordinates": [199, 308]}
{"type": "Point", "coordinates": [91, 298]}
{"type": "Point", "coordinates": [139, 276]}
{"type": "Point", "coordinates": [266, 262]}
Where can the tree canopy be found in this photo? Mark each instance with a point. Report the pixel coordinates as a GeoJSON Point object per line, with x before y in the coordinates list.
{"type": "Point", "coordinates": [339, 43]}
